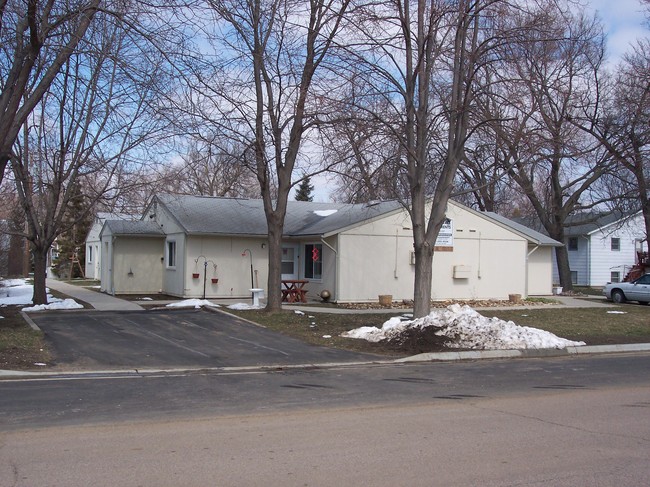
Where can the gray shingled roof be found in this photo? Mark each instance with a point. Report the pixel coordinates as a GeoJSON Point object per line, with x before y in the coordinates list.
{"type": "Point", "coordinates": [579, 224]}
{"type": "Point", "coordinates": [530, 234]}
{"type": "Point", "coordinates": [204, 215]}
{"type": "Point", "coordinates": [232, 216]}
{"type": "Point", "coordinates": [139, 228]}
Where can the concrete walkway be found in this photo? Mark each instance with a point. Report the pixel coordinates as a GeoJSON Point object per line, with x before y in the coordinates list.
{"type": "Point", "coordinates": [99, 301]}
{"type": "Point", "coordinates": [106, 302]}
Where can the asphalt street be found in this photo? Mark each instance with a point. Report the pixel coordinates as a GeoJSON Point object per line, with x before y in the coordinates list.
{"type": "Point", "coordinates": [174, 338]}
{"type": "Point", "coordinates": [105, 398]}
{"type": "Point", "coordinates": [572, 421]}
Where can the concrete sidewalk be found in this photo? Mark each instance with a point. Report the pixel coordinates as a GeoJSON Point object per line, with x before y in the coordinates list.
{"type": "Point", "coordinates": [99, 301]}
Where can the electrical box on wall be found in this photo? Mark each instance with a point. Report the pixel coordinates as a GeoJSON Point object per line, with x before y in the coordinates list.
{"type": "Point", "coordinates": [462, 271]}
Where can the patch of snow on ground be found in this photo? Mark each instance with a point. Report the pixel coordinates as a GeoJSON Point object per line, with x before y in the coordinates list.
{"type": "Point", "coordinates": [15, 291]}
{"type": "Point", "coordinates": [189, 303]}
{"type": "Point", "coordinates": [617, 312]}
{"type": "Point", "coordinates": [243, 306]}
{"type": "Point", "coordinates": [18, 292]}
{"type": "Point", "coordinates": [468, 329]}
{"type": "Point", "coordinates": [56, 304]}
{"type": "Point", "coordinates": [145, 299]}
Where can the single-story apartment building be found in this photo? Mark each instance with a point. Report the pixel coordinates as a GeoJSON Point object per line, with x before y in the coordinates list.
{"type": "Point", "coordinates": [93, 263]}
{"type": "Point", "coordinates": [190, 246]}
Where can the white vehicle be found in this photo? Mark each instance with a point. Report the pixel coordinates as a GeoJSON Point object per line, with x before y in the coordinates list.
{"type": "Point", "coordinates": [638, 290]}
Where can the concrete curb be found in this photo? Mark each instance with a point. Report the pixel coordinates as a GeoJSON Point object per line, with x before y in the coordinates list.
{"type": "Point", "coordinates": [528, 353]}
{"type": "Point", "coordinates": [423, 357]}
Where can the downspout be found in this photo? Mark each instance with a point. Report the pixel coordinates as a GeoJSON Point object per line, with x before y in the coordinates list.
{"type": "Point", "coordinates": [527, 265]}
{"type": "Point", "coordinates": [112, 269]}
{"type": "Point", "coordinates": [336, 266]}
{"type": "Point", "coordinates": [396, 252]}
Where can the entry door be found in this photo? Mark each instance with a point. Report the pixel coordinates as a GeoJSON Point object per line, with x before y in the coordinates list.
{"type": "Point", "coordinates": [290, 261]}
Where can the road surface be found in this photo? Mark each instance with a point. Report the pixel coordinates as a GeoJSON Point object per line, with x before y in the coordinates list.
{"type": "Point", "coordinates": [561, 422]}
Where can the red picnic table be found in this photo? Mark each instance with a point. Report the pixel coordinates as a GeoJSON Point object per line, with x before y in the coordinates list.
{"type": "Point", "coordinates": [293, 290]}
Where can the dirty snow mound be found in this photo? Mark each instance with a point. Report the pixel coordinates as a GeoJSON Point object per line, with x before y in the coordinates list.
{"type": "Point", "coordinates": [467, 329]}
{"type": "Point", "coordinates": [55, 304]}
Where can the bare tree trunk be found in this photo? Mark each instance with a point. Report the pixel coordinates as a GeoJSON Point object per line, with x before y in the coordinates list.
{"type": "Point", "coordinates": [563, 269]}
{"type": "Point", "coordinates": [423, 279]}
{"type": "Point", "coordinates": [40, 273]}
{"type": "Point", "coordinates": [274, 295]}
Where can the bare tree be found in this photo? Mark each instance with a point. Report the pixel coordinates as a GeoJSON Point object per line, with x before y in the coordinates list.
{"type": "Point", "coordinates": [546, 80]}
{"type": "Point", "coordinates": [268, 55]}
{"type": "Point", "coordinates": [422, 57]}
{"type": "Point", "coordinates": [36, 39]}
{"type": "Point", "coordinates": [210, 168]}
{"type": "Point", "coordinates": [89, 124]}
{"type": "Point", "coordinates": [622, 126]}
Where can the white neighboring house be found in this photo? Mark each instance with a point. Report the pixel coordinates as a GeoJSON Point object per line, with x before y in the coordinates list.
{"type": "Point", "coordinates": [603, 250]}
{"type": "Point", "coordinates": [93, 264]}
{"type": "Point", "coordinates": [193, 246]}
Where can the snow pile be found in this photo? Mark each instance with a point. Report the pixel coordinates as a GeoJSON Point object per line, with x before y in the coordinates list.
{"type": "Point", "coordinates": [55, 303]}
{"type": "Point", "coordinates": [467, 329]}
{"type": "Point", "coordinates": [193, 303]}
{"type": "Point", "coordinates": [243, 307]}
{"type": "Point", "coordinates": [18, 292]}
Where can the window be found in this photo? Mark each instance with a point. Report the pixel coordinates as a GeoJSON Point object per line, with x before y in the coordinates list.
{"type": "Point", "coordinates": [90, 253]}
{"type": "Point", "coordinates": [573, 243]}
{"type": "Point", "coordinates": [574, 277]}
{"type": "Point", "coordinates": [288, 257]}
{"type": "Point", "coordinates": [615, 244]}
{"type": "Point", "coordinates": [171, 253]}
{"type": "Point", "coordinates": [313, 261]}
{"type": "Point", "coordinates": [615, 276]}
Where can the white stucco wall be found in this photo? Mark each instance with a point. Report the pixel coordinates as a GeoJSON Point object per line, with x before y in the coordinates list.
{"type": "Point", "coordinates": [137, 265]}
{"type": "Point", "coordinates": [494, 258]}
{"type": "Point", "coordinates": [233, 268]}
{"type": "Point", "coordinates": [540, 270]}
{"type": "Point", "coordinates": [93, 257]}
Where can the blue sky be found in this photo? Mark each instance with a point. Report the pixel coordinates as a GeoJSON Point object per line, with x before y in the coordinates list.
{"type": "Point", "coordinates": [624, 23]}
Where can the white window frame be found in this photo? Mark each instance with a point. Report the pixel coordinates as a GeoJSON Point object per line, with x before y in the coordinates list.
{"type": "Point", "coordinates": [615, 276]}
{"type": "Point", "coordinates": [89, 252]}
{"type": "Point", "coordinates": [617, 247]}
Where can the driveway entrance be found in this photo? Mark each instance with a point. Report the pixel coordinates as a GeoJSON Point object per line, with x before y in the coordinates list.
{"type": "Point", "coordinates": [183, 338]}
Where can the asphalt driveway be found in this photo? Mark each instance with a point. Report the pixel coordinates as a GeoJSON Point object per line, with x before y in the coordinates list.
{"type": "Point", "coordinates": [175, 338]}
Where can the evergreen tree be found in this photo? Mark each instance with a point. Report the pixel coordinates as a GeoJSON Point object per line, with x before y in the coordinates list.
{"type": "Point", "coordinates": [303, 193]}
{"type": "Point", "coordinates": [73, 240]}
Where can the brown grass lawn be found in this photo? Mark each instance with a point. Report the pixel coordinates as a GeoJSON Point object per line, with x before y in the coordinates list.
{"type": "Point", "coordinates": [22, 348]}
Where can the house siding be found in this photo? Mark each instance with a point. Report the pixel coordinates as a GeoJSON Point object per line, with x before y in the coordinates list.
{"type": "Point", "coordinates": [594, 260]}
{"type": "Point", "coordinates": [604, 260]}
{"type": "Point", "coordinates": [578, 262]}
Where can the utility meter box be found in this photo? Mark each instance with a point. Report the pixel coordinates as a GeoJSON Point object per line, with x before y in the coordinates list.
{"type": "Point", "coordinates": [462, 271]}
